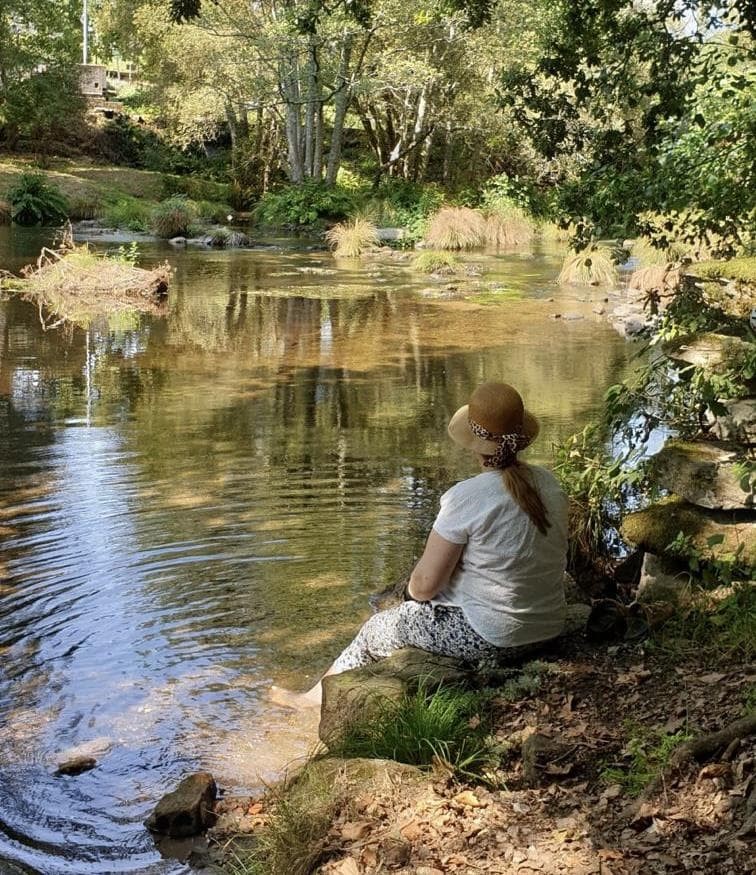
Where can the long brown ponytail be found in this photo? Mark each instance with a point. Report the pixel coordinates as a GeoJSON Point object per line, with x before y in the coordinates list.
{"type": "Point", "coordinates": [518, 479]}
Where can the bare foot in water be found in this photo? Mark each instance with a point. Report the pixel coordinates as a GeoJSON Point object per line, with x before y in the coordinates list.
{"type": "Point", "coordinates": [288, 699]}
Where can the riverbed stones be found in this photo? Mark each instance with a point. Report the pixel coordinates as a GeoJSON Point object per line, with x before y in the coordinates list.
{"type": "Point", "coordinates": [187, 810]}
{"type": "Point", "coordinates": [714, 535]}
{"type": "Point", "coordinates": [703, 473]}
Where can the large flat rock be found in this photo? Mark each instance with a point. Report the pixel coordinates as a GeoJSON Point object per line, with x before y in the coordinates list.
{"type": "Point", "coordinates": [709, 350]}
{"type": "Point", "coordinates": [716, 536]}
{"type": "Point", "coordinates": [703, 473]}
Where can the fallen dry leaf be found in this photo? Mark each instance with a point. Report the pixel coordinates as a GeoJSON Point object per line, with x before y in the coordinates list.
{"type": "Point", "coordinates": [354, 831]}
{"type": "Point", "coordinates": [468, 799]}
{"type": "Point", "coordinates": [411, 831]}
{"type": "Point", "coordinates": [711, 678]}
{"type": "Point", "coordinates": [347, 866]}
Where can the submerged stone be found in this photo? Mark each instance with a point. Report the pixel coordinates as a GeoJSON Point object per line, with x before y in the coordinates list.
{"type": "Point", "coordinates": [187, 810]}
{"type": "Point", "coordinates": [705, 474]}
{"type": "Point", "coordinates": [76, 766]}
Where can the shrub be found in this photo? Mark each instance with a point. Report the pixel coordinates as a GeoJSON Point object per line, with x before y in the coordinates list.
{"type": "Point", "coordinates": [436, 262]}
{"type": "Point", "coordinates": [445, 724]}
{"type": "Point", "coordinates": [128, 212]}
{"type": "Point", "coordinates": [456, 228]}
{"type": "Point", "coordinates": [353, 238]}
{"type": "Point", "coordinates": [35, 202]}
{"type": "Point", "coordinates": [305, 205]}
{"type": "Point", "coordinates": [593, 266]}
{"type": "Point", "coordinates": [407, 205]}
{"type": "Point", "coordinates": [214, 211]}
{"type": "Point", "coordinates": [174, 217]}
{"type": "Point", "coordinates": [508, 226]}
{"type": "Point", "coordinates": [84, 206]}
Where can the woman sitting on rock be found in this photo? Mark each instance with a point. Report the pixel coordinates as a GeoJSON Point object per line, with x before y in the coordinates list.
{"type": "Point", "coordinates": [489, 585]}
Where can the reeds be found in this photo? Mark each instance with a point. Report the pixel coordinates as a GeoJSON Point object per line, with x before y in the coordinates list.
{"type": "Point", "coordinates": [353, 238]}
{"type": "Point", "coordinates": [456, 228]}
{"type": "Point", "coordinates": [592, 267]}
{"type": "Point", "coordinates": [508, 227]}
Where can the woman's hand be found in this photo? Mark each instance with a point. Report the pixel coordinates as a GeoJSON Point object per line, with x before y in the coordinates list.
{"type": "Point", "coordinates": [435, 567]}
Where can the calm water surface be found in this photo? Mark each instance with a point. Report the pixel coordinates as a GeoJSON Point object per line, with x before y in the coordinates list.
{"type": "Point", "coordinates": [195, 507]}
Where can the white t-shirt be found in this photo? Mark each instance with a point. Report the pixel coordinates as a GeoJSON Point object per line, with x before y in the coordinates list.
{"type": "Point", "coordinates": [510, 578]}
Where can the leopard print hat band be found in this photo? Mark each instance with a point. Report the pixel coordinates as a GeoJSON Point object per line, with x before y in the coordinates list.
{"type": "Point", "coordinates": [509, 445]}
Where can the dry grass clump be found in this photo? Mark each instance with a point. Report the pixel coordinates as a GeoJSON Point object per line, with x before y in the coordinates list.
{"type": "Point", "coordinates": [76, 285]}
{"type": "Point", "coordinates": [592, 267]}
{"type": "Point", "coordinates": [436, 262]}
{"type": "Point", "coordinates": [509, 227]}
{"type": "Point", "coordinates": [655, 285]}
{"type": "Point", "coordinates": [353, 238]}
{"type": "Point", "coordinates": [456, 228]}
{"type": "Point", "coordinates": [552, 233]}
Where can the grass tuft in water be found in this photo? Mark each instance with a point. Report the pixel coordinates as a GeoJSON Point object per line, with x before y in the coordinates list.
{"type": "Point", "coordinates": [353, 238]}
{"type": "Point", "coordinates": [436, 262]}
{"type": "Point", "coordinates": [593, 267]}
{"type": "Point", "coordinates": [456, 228]}
{"type": "Point", "coordinates": [509, 226]}
{"type": "Point", "coordinates": [174, 217]}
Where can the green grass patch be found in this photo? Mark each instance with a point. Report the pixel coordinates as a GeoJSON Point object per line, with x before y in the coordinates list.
{"type": "Point", "coordinates": [436, 262]}
{"type": "Point", "coordinates": [129, 213]}
{"type": "Point", "coordinates": [446, 725]}
{"type": "Point", "coordinates": [739, 269]}
{"type": "Point", "coordinates": [647, 752]}
{"type": "Point", "coordinates": [714, 627]}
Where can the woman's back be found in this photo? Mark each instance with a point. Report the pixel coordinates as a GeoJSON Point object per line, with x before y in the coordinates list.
{"type": "Point", "coordinates": [509, 581]}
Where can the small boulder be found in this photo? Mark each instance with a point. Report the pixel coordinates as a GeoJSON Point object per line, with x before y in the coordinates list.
{"type": "Point", "coordinates": [663, 580]}
{"type": "Point", "coordinates": [187, 810]}
{"type": "Point", "coordinates": [178, 242]}
{"type": "Point", "coordinates": [75, 766]}
{"type": "Point", "coordinates": [705, 474]}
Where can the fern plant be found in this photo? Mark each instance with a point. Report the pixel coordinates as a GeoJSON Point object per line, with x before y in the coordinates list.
{"type": "Point", "coordinates": [35, 202]}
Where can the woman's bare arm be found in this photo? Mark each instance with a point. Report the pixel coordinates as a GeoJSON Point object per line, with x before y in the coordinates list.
{"type": "Point", "coordinates": [435, 567]}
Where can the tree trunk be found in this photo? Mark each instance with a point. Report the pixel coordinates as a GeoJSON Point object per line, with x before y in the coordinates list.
{"type": "Point", "coordinates": [342, 98]}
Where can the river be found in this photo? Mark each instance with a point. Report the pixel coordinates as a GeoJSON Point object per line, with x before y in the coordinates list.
{"type": "Point", "coordinates": [196, 506]}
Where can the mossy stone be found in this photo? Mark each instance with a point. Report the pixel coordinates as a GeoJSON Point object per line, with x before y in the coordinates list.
{"type": "Point", "coordinates": [656, 527]}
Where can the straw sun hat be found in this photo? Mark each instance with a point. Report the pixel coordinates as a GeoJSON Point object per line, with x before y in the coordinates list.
{"type": "Point", "coordinates": [494, 423]}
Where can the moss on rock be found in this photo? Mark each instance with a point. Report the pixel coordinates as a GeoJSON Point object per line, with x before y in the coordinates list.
{"type": "Point", "coordinates": [716, 536]}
